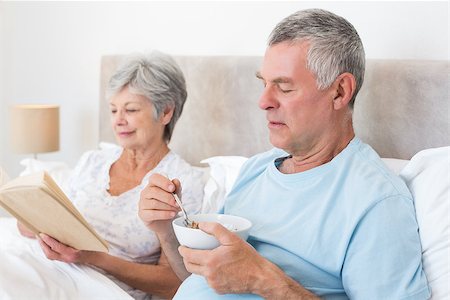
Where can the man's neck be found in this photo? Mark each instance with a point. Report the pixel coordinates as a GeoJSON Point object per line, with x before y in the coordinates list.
{"type": "Point", "coordinates": [317, 154]}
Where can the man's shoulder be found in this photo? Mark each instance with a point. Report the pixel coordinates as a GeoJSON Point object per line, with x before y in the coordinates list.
{"type": "Point", "coordinates": [366, 170]}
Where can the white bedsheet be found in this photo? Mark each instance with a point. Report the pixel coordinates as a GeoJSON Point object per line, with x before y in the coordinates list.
{"type": "Point", "coordinates": [25, 272]}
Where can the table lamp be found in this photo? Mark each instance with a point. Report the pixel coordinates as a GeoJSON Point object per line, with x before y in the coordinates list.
{"type": "Point", "coordinates": [35, 128]}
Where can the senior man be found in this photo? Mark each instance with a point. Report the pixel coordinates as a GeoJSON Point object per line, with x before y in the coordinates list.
{"type": "Point", "coordinates": [329, 219]}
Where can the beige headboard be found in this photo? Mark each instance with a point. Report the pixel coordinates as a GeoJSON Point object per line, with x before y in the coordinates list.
{"type": "Point", "coordinates": [402, 108]}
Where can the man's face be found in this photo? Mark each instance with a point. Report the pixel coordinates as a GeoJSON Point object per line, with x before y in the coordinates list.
{"type": "Point", "coordinates": [299, 115]}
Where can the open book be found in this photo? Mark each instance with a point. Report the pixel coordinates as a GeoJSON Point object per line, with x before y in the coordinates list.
{"type": "Point", "coordinates": [39, 203]}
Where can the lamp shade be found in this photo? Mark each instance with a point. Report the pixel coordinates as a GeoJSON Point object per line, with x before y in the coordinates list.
{"type": "Point", "coordinates": [35, 128]}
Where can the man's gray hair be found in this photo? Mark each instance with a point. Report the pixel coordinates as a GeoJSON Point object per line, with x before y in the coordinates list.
{"type": "Point", "coordinates": [157, 77]}
{"type": "Point", "coordinates": [335, 46]}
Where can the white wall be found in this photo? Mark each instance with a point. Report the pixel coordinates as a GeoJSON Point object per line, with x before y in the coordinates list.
{"type": "Point", "coordinates": [50, 51]}
{"type": "Point", "coordinates": [2, 89]}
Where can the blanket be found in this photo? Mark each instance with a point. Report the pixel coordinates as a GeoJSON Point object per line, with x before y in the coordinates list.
{"type": "Point", "coordinates": [25, 272]}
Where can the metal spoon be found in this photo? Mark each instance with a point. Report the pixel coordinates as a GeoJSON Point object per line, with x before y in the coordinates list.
{"type": "Point", "coordinates": [187, 222]}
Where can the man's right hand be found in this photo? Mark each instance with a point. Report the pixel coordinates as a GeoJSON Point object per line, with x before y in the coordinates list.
{"type": "Point", "coordinates": [157, 206]}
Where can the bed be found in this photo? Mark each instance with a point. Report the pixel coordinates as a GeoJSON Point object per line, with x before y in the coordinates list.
{"type": "Point", "coordinates": [402, 111]}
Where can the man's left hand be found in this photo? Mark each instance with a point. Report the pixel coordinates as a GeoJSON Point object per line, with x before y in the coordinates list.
{"type": "Point", "coordinates": [233, 267]}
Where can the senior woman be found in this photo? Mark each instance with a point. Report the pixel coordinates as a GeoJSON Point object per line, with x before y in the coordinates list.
{"type": "Point", "coordinates": [146, 96]}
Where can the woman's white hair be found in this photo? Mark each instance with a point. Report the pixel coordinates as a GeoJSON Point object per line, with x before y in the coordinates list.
{"type": "Point", "coordinates": [157, 77]}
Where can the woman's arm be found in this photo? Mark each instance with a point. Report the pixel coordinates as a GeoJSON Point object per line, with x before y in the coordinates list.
{"type": "Point", "coordinates": [157, 279]}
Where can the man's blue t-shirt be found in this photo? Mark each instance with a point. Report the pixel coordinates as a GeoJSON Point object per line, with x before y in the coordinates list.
{"type": "Point", "coordinates": [345, 229]}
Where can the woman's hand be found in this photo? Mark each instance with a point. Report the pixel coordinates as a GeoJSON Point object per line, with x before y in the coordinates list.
{"type": "Point", "coordinates": [54, 250]}
{"type": "Point", "coordinates": [25, 231]}
{"type": "Point", "coordinates": [157, 206]}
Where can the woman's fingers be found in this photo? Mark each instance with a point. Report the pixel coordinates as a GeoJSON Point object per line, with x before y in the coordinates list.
{"type": "Point", "coordinates": [55, 250]}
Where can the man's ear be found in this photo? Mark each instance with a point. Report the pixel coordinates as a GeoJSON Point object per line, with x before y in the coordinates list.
{"type": "Point", "coordinates": [167, 114]}
{"type": "Point", "coordinates": [344, 85]}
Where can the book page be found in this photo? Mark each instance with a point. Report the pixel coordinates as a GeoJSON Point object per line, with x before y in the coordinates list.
{"type": "Point", "coordinates": [35, 179]}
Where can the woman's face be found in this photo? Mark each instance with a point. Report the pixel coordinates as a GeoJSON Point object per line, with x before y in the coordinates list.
{"type": "Point", "coordinates": [133, 121]}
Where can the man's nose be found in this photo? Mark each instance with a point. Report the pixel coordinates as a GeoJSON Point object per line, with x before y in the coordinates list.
{"type": "Point", "coordinates": [267, 99]}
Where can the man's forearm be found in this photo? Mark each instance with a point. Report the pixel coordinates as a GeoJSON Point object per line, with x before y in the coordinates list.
{"type": "Point", "coordinates": [273, 283]}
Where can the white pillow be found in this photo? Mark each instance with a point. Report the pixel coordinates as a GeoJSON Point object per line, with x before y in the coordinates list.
{"type": "Point", "coordinates": [107, 145]}
{"type": "Point", "coordinates": [427, 176]}
{"type": "Point", "coordinates": [3, 177]}
{"type": "Point", "coordinates": [58, 170]}
{"type": "Point", "coordinates": [394, 164]}
{"type": "Point", "coordinates": [223, 171]}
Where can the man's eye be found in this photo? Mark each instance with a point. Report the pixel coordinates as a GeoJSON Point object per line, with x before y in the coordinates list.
{"type": "Point", "coordinates": [284, 88]}
{"type": "Point", "coordinates": [285, 91]}
{"type": "Point", "coordinates": [113, 111]}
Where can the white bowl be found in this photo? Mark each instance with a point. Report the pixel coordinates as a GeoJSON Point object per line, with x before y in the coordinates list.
{"type": "Point", "coordinates": [197, 239]}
